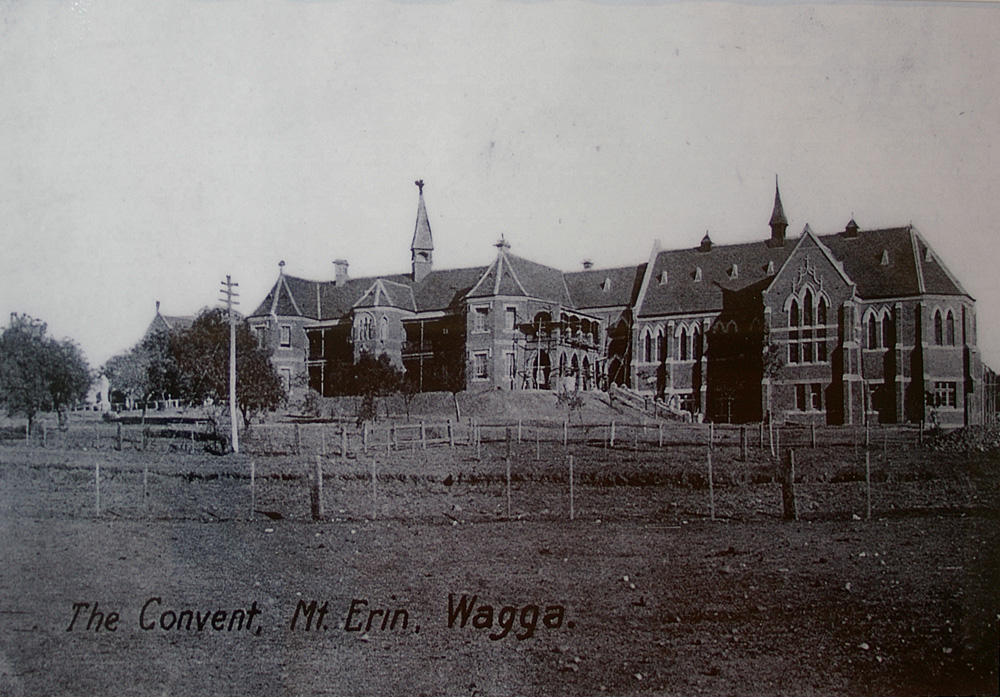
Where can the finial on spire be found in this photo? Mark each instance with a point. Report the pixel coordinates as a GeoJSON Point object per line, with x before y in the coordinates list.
{"type": "Point", "coordinates": [281, 266]}
{"type": "Point", "coordinates": [502, 244]}
{"type": "Point", "coordinates": [420, 185]}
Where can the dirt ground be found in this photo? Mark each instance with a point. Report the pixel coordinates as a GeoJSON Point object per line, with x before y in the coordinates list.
{"type": "Point", "coordinates": [642, 593]}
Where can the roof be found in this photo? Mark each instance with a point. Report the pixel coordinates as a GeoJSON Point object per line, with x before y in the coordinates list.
{"type": "Point", "coordinates": [907, 271]}
{"type": "Point", "coordinates": [422, 230]}
{"type": "Point", "coordinates": [696, 281]}
{"type": "Point", "coordinates": [515, 276]}
{"type": "Point", "coordinates": [778, 214]}
{"type": "Point", "coordinates": [594, 288]}
{"type": "Point", "coordinates": [325, 300]}
{"type": "Point", "coordinates": [168, 323]}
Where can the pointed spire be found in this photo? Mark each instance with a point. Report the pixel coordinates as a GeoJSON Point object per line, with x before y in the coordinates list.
{"type": "Point", "coordinates": [706, 243]}
{"type": "Point", "coordinates": [422, 247]}
{"type": "Point", "coordinates": [779, 223]}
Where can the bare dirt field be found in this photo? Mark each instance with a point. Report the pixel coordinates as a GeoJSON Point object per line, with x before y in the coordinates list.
{"type": "Point", "coordinates": [195, 587]}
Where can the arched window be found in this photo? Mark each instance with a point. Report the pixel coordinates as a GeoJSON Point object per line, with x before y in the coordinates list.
{"type": "Point", "coordinates": [647, 347]}
{"type": "Point", "coordinates": [872, 332]}
{"type": "Point", "coordinates": [696, 344]}
{"type": "Point", "coordinates": [366, 328]}
{"type": "Point", "coordinates": [821, 315]}
{"type": "Point", "coordinates": [793, 332]}
{"type": "Point", "coordinates": [659, 344]}
{"type": "Point", "coordinates": [383, 328]}
{"type": "Point", "coordinates": [938, 328]}
{"type": "Point", "coordinates": [887, 339]}
{"type": "Point", "coordinates": [682, 345]}
{"type": "Point", "coordinates": [949, 328]}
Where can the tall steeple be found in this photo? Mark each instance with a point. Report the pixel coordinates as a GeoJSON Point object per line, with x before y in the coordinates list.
{"type": "Point", "coordinates": [422, 247]}
{"type": "Point", "coordinates": [778, 220]}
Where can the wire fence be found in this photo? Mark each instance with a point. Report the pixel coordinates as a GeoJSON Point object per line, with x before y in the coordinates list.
{"type": "Point", "coordinates": [458, 473]}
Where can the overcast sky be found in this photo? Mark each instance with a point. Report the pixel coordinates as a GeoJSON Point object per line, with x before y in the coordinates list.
{"type": "Point", "coordinates": [149, 149]}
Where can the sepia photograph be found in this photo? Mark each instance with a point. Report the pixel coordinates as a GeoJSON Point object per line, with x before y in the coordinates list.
{"type": "Point", "coordinates": [499, 348]}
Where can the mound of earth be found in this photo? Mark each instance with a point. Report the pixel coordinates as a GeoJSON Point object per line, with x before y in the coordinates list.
{"type": "Point", "coordinates": [969, 439]}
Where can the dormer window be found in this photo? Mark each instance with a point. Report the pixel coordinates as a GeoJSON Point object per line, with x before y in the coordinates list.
{"type": "Point", "coordinates": [928, 255]}
{"type": "Point", "coordinates": [663, 278]}
{"type": "Point", "coordinates": [770, 268]}
{"type": "Point", "coordinates": [734, 272]}
{"type": "Point", "coordinates": [885, 257]}
{"type": "Point", "coordinates": [606, 286]}
{"type": "Point", "coordinates": [697, 274]}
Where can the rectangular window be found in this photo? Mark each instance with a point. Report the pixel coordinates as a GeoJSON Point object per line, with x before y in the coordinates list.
{"type": "Point", "coordinates": [510, 367]}
{"type": "Point", "coordinates": [809, 397]}
{"type": "Point", "coordinates": [946, 394]}
{"type": "Point", "coordinates": [793, 346]}
{"type": "Point", "coordinates": [260, 331]}
{"type": "Point", "coordinates": [510, 319]}
{"type": "Point", "coordinates": [479, 365]}
{"type": "Point", "coordinates": [286, 336]}
{"type": "Point", "coordinates": [480, 315]}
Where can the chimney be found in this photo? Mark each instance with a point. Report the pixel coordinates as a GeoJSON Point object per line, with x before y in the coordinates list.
{"type": "Point", "coordinates": [588, 264]}
{"type": "Point", "coordinates": [157, 307]}
{"type": "Point", "coordinates": [340, 272]}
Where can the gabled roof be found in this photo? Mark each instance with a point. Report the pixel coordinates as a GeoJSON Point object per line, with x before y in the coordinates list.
{"type": "Point", "coordinates": [515, 276]}
{"type": "Point", "coordinates": [907, 271]}
{"type": "Point", "coordinates": [168, 323]}
{"type": "Point", "coordinates": [386, 293]}
{"type": "Point", "coordinates": [587, 288]}
{"type": "Point", "coordinates": [684, 293]}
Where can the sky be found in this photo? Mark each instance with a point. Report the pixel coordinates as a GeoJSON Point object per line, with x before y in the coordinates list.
{"type": "Point", "coordinates": [147, 150]}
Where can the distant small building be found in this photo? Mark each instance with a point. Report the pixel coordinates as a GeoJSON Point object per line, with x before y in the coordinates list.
{"type": "Point", "coordinates": [167, 323]}
{"type": "Point", "coordinates": [99, 395]}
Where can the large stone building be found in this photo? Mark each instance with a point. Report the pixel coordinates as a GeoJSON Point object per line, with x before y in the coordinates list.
{"type": "Point", "coordinates": [832, 328]}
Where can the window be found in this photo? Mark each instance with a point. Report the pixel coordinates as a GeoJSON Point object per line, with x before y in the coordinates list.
{"type": "Point", "coordinates": [873, 333]}
{"type": "Point", "coordinates": [687, 402]}
{"type": "Point", "coordinates": [366, 328]}
{"type": "Point", "coordinates": [887, 333]}
{"type": "Point", "coordinates": [682, 345]}
{"type": "Point", "coordinates": [479, 366]}
{"type": "Point", "coordinates": [647, 347]}
{"type": "Point", "coordinates": [510, 319]}
{"type": "Point", "coordinates": [807, 330]}
{"type": "Point", "coordinates": [696, 344]}
{"type": "Point", "coordinates": [383, 329]}
{"type": "Point", "coordinates": [938, 328]}
{"type": "Point", "coordinates": [949, 328]}
{"type": "Point", "coordinates": [946, 394]}
{"type": "Point", "coordinates": [659, 345]}
{"type": "Point", "coordinates": [809, 397]}
{"type": "Point", "coordinates": [286, 379]}
{"type": "Point", "coordinates": [480, 315]}
{"type": "Point", "coordinates": [286, 336]}
{"type": "Point", "coordinates": [261, 333]}
{"type": "Point", "coordinates": [510, 367]}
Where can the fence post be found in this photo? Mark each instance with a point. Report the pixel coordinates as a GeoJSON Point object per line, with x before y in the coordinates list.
{"type": "Point", "coordinates": [711, 486]}
{"type": "Point", "coordinates": [97, 486]}
{"type": "Point", "coordinates": [27, 434]}
{"type": "Point", "coordinates": [478, 438]}
{"type": "Point", "coordinates": [777, 440]}
{"type": "Point", "coordinates": [812, 440]}
{"type": "Point", "coordinates": [45, 435]}
{"type": "Point", "coordinates": [392, 436]}
{"type": "Point", "coordinates": [635, 443]}
{"type": "Point", "coordinates": [298, 440]}
{"type": "Point", "coordinates": [743, 443]}
{"type": "Point", "coordinates": [571, 511]}
{"type": "Point", "coordinates": [761, 435]}
{"type": "Point", "coordinates": [611, 437]}
{"type": "Point", "coordinates": [508, 442]}
{"type": "Point", "coordinates": [343, 441]}
{"type": "Point", "coordinates": [868, 485]}
{"type": "Point", "coordinates": [538, 448]}
{"type": "Point", "coordinates": [790, 510]}
{"type": "Point", "coordinates": [145, 482]}
{"type": "Point", "coordinates": [711, 434]}
{"type": "Point", "coordinates": [317, 493]}
{"type": "Point", "coordinates": [322, 441]}
{"type": "Point", "coordinates": [192, 440]}
{"type": "Point", "coordinates": [451, 436]}
{"type": "Point", "coordinates": [507, 460]}
{"type": "Point", "coordinates": [519, 431]}
{"type": "Point", "coordinates": [770, 437]}
{"type": "Point", "coordinates": [920, 436]}
{"type": "Point", "coordinates": [253, 488]}
{"type": "Point", "coordinates": [661, 435]}
{"type": "Point", "coordinates": [423, 436]}
{"type": "Point", "coordinates": [118, 441]}
{"type": "Point", "coordinates": [364, 436]}
{"type": "Point", "coordinates": [565, 432]}
{"type": "Point", "coordinates": [374, 492]}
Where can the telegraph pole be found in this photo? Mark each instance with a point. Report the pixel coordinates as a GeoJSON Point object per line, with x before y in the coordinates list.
{"type": "Point", "coordinates": [229, 294]}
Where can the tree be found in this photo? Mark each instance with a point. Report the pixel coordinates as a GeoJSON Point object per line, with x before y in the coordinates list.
{"type": "Point", "coordinates": [202, 356]}
{"type": "Point", "coordinates": [38, 373]}
{"type": "Point", "coordinates": [146, 372]}
{"type": "Point", "coordinates": [375, 378]}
